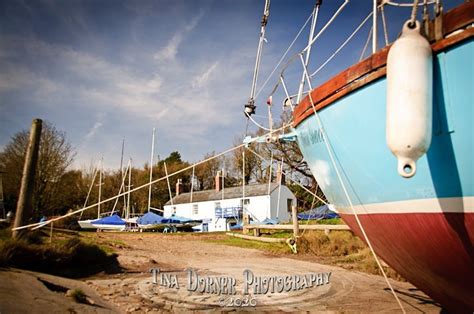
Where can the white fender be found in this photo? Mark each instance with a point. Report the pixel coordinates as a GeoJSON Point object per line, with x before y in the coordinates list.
{"type": "Point", "coordinates": [409, 98]}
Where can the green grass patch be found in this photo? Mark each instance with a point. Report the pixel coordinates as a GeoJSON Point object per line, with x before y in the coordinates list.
{"type": "Point", "coordinates": [278, 234]}
{"type": "Point", "coordinates": [332, 221]}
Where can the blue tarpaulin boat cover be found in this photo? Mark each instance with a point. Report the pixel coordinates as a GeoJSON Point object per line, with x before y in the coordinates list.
{"type": "Point", "coordinates": [322, 212]}
{"type": "Point", "coordinates": [150, 219]}
{"type": "Point", "coordinates": [109, 220]}
{"type": "Point", "coordinates": [175, 220]}
{"type": "Point", "coordinates": [266, 221]}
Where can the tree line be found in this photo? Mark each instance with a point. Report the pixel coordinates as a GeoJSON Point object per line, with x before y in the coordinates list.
{"type": "Point", "coordinates": [58, 188]}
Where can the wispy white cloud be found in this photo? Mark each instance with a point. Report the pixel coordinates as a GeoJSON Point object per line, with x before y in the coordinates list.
{"type": "Point", "coordinates": [200, 80]}
{"type": "Point", "coordinates": [169, 52]}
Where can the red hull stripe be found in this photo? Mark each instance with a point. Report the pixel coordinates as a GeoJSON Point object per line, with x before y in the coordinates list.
{"type": "Point", "coordinates": [434, 251]}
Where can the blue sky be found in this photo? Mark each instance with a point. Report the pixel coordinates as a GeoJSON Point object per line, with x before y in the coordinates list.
{"type": "Point", "coordinates": [103, 70]}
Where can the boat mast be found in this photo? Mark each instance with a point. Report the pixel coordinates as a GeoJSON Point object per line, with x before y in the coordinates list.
{"type": "Point", "coordinates": [127, 213]}
{"type": "Point", "coordinates": [250, 106]}
{"type": "Point", "coordinates": [121, 170]}
{"type": "Point", "coordinates": [374, 27]}
{"type": "Point", "coordinates": [151, 168]}
{"type": "Point", "coordinates": [100, 185]}
{"type": "Point", "coordinates": [314, 19]}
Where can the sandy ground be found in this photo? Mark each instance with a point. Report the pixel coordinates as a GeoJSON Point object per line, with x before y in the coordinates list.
{"type": "Point", "coordinates": [134, 290]}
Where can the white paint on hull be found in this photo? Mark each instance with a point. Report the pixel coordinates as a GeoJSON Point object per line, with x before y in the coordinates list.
{"type": "Point", "coordinates": [86, 224]}
{"type": "Point", "coordinates": [429, 205]}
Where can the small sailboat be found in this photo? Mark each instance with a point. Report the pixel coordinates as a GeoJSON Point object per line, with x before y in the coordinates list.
{"type": "Point", "coordinates": [113, 222]}
{"type": "Point", "coordinates": [86, 224]}
{"type": "Point", "coordinates": [150, 221]}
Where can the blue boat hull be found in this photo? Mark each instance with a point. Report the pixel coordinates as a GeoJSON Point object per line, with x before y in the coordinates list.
{"type": "Point", "coordinates": [423, 226]}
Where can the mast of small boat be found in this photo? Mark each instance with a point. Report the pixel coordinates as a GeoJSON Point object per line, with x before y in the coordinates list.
{"type": "Point", "coordinates": [100, 186]}
{"type": "Point", "coordinates": [127, 213]}
{"type": "Point", "coordinates": [151, 168]}
{"type": "Point", "coordinates": [122, 172]}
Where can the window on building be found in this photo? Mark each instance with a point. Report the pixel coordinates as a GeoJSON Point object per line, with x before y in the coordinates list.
{"type": "Point", "coordinates": [245, 201]}
{"type": "Point", "coordinates": [173, 210]}
{"type": "Point", "coordinates": [289, 203]}
{"type": "Point", "coordinates": [195, 209]}
{"type": "Point", "coordinates": [217, 205]}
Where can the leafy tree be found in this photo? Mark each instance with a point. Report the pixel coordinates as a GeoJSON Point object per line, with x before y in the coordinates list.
{"type": "Point", "coordinates": [207, 171]}
{"type": "Point", "coordinates": [55, 156]}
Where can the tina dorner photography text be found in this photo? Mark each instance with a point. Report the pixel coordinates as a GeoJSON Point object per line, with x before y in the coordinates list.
{"type": "Point", "coordinates": [252, 284]}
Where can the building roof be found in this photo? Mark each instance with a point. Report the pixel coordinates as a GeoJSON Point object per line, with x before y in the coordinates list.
{"type": "Point", "coordinates": [229, 193]}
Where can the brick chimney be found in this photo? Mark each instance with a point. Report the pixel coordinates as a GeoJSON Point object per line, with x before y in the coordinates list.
{"type": "Point", "coordinates": [280, 177]}
{"type": "Point", "coordinates": [179, 187]}
{"type": "Point", "coordinates": [218, 181]}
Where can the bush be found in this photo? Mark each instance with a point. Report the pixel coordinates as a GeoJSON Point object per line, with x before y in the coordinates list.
{"type": "Point", "coordinates": [78, 295]}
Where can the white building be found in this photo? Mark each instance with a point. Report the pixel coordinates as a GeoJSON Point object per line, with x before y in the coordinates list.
{"type": "Point", "coordinates": [219, 209]}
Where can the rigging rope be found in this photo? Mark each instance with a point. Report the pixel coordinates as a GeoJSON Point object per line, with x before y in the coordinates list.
{"type": "Point", "coordinates": [342, 45]}
{"type": "Point", "coordinates": [366, 44]}
{"type": "Point", "coordinates": [37, 225]}
{"type": "Point", "coordinates": [291, 179]}
{"type": "Point", "coordinates": [168, 182]}
{"type": "Point", "coordinates": [384, 24]}
{"type": "Point", "coordinates": [284, 55]}
{"type": "Point", "coordinates": [90, 189]}
{"type": "Point", "coordinates": [403, 4]}
{"type": "Point", "coordinates": [124, 175]}
{"type": "Point", "coordinates": [256, 123]}
{"type": "Point", "coordinates": [325, 26]}
{"type": "Point", "coordinates": [413, 14]}
{"type": "Point", "coordinates": [308, 52]}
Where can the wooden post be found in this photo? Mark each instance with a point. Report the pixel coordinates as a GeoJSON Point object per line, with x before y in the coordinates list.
{"type": "Point", "coordinates": [51, 234]}
{"type": "Point", "coordinates": [245, 222]}
{"type": "Point", "coordinates": [24, 206]}
{"type": "Point", "coordinates": [296, 228]}
{"type": "Point", "coordinates": [256, 232]}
